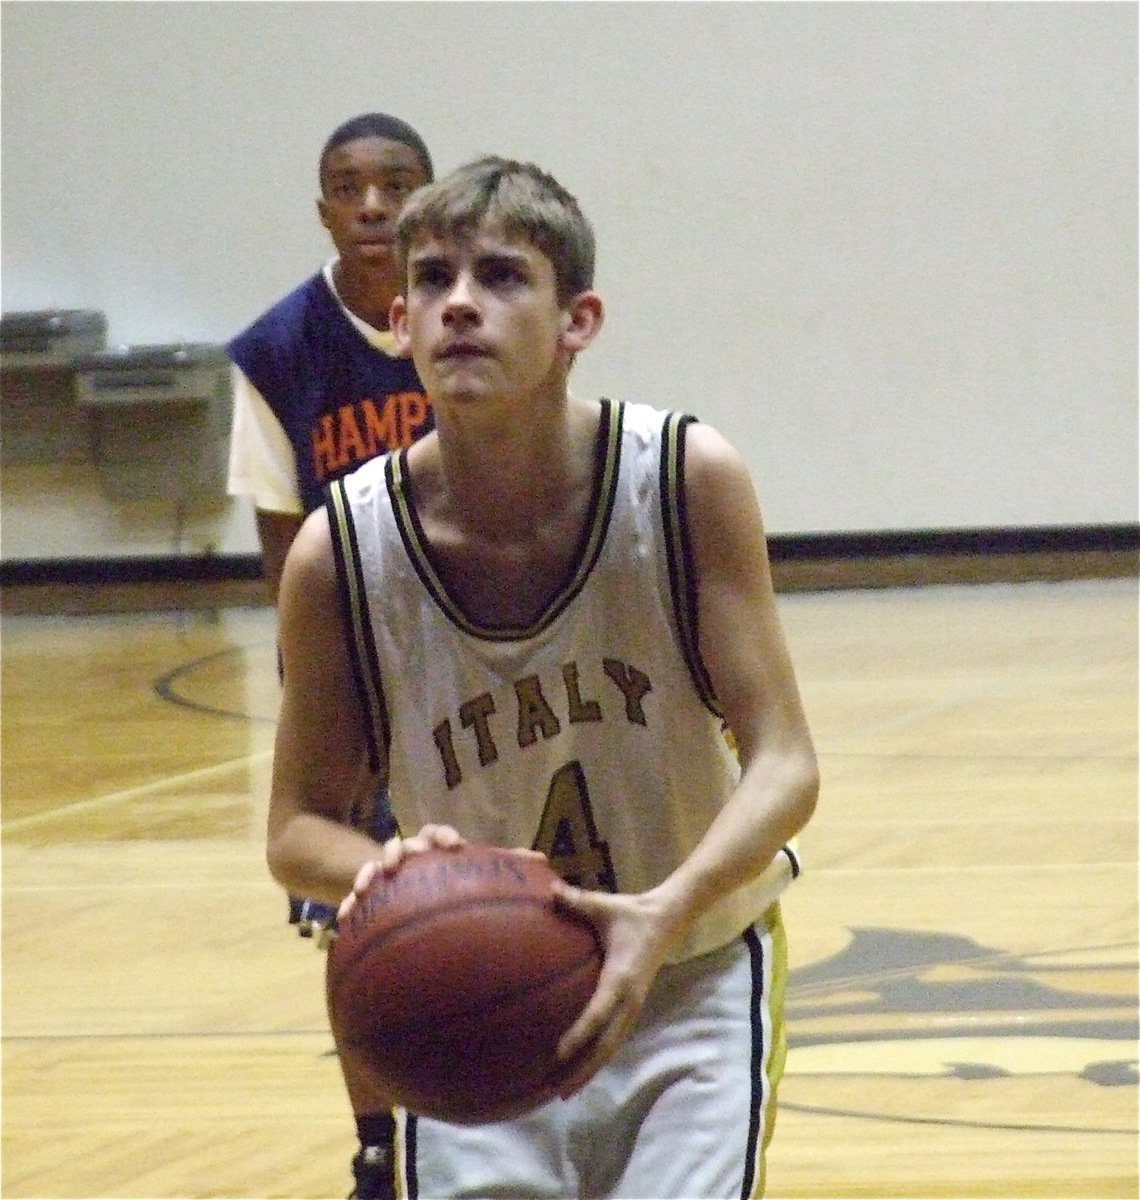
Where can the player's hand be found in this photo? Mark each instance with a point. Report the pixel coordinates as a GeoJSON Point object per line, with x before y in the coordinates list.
{"type": "Point", "coordinates": [526, 852]}
{"type": "Point", "coordinates": [636, 932]}
{"type": "Point", "coordinates": [392, 853]}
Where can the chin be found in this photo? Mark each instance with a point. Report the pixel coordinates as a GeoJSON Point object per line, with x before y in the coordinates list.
{"type": "Point", "coordinates": [464, 393]}
{"type": "Point", "coordinates": [374, 256]}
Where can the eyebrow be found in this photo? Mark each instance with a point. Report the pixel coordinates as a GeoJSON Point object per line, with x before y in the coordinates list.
{"type": "Point", "coordinates": [487, 257]}
{"type": "Point", "coordinates": [425, 260]}
{"type": "Point", "coordinates": [516, 257]}
{"type": "Point", "coordinates": [354, 172]}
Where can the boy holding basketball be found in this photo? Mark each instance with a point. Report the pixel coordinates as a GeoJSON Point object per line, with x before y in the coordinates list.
{"type": "Point", "coordinates": [553, 609]}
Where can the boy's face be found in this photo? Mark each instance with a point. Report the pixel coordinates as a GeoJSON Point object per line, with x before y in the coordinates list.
{"type": "Point", "coordinates": [481, 317]}
{"type": "Point", "coordinates": [364, 185]}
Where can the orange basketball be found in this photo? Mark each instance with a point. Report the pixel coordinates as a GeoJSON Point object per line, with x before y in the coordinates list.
{"type": "Point", "coordinates": [454, 978]}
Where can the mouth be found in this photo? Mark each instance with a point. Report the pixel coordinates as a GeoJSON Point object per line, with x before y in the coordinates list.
{"type": "Point", "coordinates": [375, 241]}
{"type": "Point", "coordinates": [461, 350]}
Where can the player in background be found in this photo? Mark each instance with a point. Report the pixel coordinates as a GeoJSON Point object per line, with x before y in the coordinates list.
{"type": "Point", "coordinates": [319, 383]}
{"type": "Point", "coordinates": [319, 386]}
{"type": "Point", "coordinates": [581, 591]}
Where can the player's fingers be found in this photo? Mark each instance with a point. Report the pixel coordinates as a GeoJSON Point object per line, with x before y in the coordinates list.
{"type": "Point", "coordinates": [584, 1059]}
{"type": "Point", "coordinates": [596, 907]}
{"type": "Point", "coordinates": [576, 1041]}
{"type": "Point", "coordinates": [435, 837]}
{"type": "Point", "coordinates": [359, 886]}
{"type": "Point", "coordinates": [602, 1023]}
{"type": "Point", "coordinates": [526, 852]}
{"type": "Point", "coordinates": [364, 877]}
{"type": "Point", "coordinates": [391, 854]}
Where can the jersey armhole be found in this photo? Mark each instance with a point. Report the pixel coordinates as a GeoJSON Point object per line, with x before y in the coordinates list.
{"type": "Point", "coordinates": [679, 554]}
{"type": "Point", "coordinates": [357, 626]}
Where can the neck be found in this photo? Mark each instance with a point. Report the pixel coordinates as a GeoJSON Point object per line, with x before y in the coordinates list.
{"type": "Point", "coordinates": [538, 463]}
{"type": "Point", "coordinates": [367, 292]}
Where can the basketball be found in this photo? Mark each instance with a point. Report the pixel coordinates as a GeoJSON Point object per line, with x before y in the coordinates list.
{"type": "Point", "coordinates": [453, 979]}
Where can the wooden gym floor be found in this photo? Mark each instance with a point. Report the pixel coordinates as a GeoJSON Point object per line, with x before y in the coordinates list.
{"type": "Point", "coordinates": [963, 1001]}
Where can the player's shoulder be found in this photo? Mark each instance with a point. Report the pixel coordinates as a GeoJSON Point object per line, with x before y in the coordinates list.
{"type": "Point", "coordinates": [697, 455]}
{"type": "Point", "coordinates": [309, 305]}
{"type": "Point", "coordinates": [637, 417]}
{"type": "Point", "coordinates": [370, 477]}
{"type": "Point", "coordinates": [703, 445]}
{"type": "Point", "coordinates": [706, 446]}
{"type": "Point", "coordinates": [310, 565]}
{"type": "Point", "coordinates": [312, 547]}
{"type": "Point", "coordinates": [720, 496]}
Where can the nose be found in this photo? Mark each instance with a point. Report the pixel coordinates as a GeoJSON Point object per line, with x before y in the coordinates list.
{"type": "Point", "coordinates": [461, 302]}
{"type": "Point", "coordinates": [372, 203]}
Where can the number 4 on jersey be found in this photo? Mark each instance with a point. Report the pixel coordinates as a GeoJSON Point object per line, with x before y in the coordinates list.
{"type": "Point", "coordinates": [568, 836]}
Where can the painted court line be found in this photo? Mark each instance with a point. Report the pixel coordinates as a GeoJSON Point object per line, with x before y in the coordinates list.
{"type": "Point", "coordinates": [145, 789]}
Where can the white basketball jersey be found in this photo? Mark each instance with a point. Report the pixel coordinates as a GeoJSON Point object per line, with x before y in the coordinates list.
{"type": "Point", "coordinates": [592, 734]}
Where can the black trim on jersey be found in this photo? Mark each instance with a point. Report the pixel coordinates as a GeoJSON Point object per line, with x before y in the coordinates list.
{"type": "Point", "coordinates": [354, 613]}
{"type": "Point", "coordinates": [756, 1110]}
{"type": "Point", "coordinates": [682, 574]}
{"type": "Point", "coordinates": [411, 1161]}
{"type": "Point", "coordinates": [607, 464]}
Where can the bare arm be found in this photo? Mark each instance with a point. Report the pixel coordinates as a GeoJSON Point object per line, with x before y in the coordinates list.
{"type": "Point", "coordinates": [744, 651]}
{"type": "Point", "coordinates": [275, 531]}
{"type": "Point", "coordinates": [321, 741]}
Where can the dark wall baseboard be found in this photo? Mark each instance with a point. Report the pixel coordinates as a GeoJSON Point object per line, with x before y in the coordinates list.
{"type": "Point", "coordinates": [94, 572]}
{"type": "Point", "coordinates": [800, 562]}
{"type": "Point", "coordinates": [92, 585]}
{"type": "Point", "coordinates": [935, 542]}
{"type": "Point", "coordinates": [916, 558]}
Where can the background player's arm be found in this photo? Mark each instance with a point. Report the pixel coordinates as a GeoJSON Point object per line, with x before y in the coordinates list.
{"type": "Point", "coordinates": [321, 739]}
{"type": "Point", "coordinates": [276, 531]}
{"type": "Point", "coordinates": [263, 466]}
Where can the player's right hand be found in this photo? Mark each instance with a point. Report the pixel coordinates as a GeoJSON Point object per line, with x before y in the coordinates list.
{"type": "Point", "coordinates": [392, 853]}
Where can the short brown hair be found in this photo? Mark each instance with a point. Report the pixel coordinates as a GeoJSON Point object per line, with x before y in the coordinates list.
{"type": "Point", "coordinates": [519, 198]}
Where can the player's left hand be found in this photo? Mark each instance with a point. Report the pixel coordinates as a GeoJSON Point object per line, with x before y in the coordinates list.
{"type": "Point", "coordinates": [637, 932]}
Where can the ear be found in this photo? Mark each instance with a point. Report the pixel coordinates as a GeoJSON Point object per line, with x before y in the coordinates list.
{"type": "Point", "coordinates": [582, 320]}
{"type": "Point", "coordinates": [398, 324]}
{"type": "Point", "coordinates": [323, 211]}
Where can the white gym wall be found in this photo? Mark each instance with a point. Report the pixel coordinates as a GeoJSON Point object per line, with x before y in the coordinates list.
{"type": "Point", "coordinates": [889, 249]}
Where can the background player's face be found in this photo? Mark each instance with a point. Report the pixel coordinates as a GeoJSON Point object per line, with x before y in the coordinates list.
{"type": "Point", "coordinates": [364, 185]}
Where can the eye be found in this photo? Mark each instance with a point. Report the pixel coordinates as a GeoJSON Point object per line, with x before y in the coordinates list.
{"type": "Point", "coordinates": [501, 273]}
{"type": "Point", "coordinates": [430, 276]}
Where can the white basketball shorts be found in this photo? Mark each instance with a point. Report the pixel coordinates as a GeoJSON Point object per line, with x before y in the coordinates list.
{"type": "Point", "coordinates": [685, 1109]}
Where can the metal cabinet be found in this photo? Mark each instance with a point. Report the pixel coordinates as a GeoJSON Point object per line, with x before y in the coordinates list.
{"type": "Point", "coordinates": [159, 420]}
{"type": "Point", "coordinates": [39, 420]}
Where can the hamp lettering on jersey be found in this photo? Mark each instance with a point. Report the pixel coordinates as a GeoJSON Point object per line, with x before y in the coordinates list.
{"type": "Point", "coordinates": [358, 432]}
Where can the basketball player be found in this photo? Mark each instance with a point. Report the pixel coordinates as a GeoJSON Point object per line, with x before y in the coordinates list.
{"type": "Point", "coordinates": [553, 610]}
{"type": "Point", "coordinates": [319, 384]}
